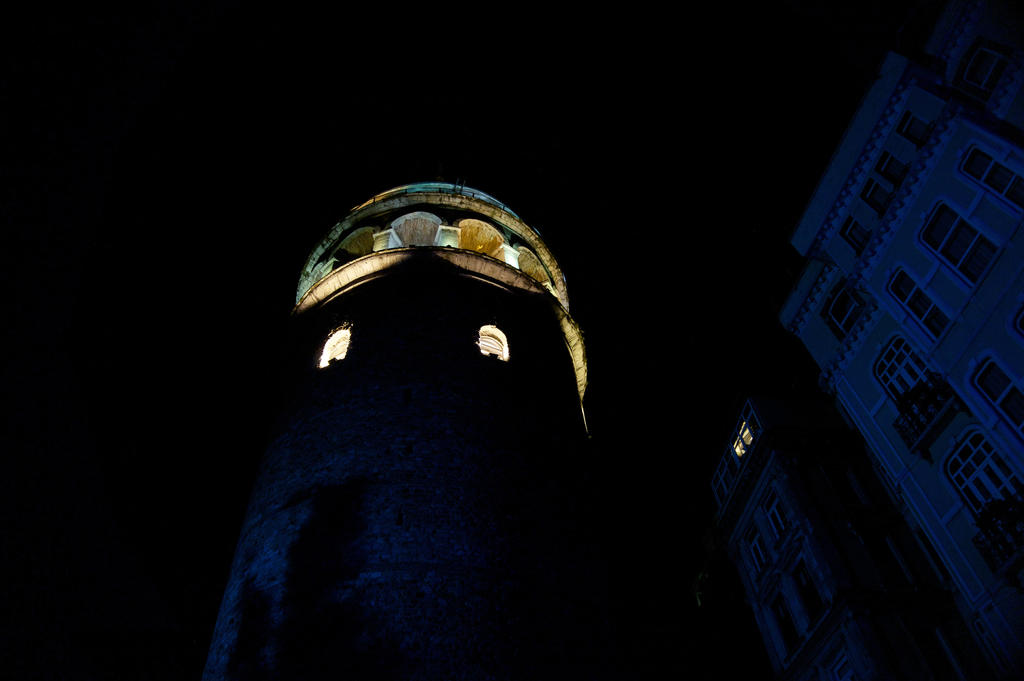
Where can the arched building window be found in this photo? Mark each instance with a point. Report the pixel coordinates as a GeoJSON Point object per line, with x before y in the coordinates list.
{"type": "Point", "coordinates": [898, 368]}
{"type": "Point", "coordinates": [841, 310]}
{"type": "Point", "coordinates": [979, 473]}
{"type": "Point", "coordinates": [336, 346]}
{"type": "Point", "coordinates": [493, 342]}
{"type": "Point", "coordinates": [994, 176]}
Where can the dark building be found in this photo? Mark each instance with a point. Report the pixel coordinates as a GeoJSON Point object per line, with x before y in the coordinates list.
{"type": "Point", "coordinates": [840, 586]}
{"type": "Point", "coordinates": [912, 303]}
{"type": "Point", "coordinates": [422, 511]}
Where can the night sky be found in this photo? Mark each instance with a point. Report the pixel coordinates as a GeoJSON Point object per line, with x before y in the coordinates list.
{"type": "Point", "coordinates": [165, 173]}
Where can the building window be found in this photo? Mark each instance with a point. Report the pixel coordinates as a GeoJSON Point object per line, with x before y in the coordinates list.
{"type": "Point", "coordinates": [898, 368]}
{"type": "Point", "coordinates": [840, 669]}
{"type": "Point", "coordinates": [855, 235]}
{"type": "Point", "coordinates": [999, 389]}
{"type": "Point", "coordinates": [980, 474]}
{"type": "Point", "coordinates": [492, 341]}
{"type": "Point", "coordinates": [957, 243]}
{"type": "Point", "coordinates": [981, 70]}
{"type": "Point", "coordinates": [841, 310]}
{"type": "Point", "coordinates": [875, 195]}
{"type": "Point", "coordinates": [918, 303]}
{"type": "Point", "coordinates": [755, 549]}
{"type": "Point", "coordinates": [889, 167]}
{"type": "Point", "coordinates": [808, 592]}
{"type": "Point", "coordinates": [913, 129]}
{"type": "Point", "coordinates": [723, 479]}
{"type": "Point", "coordinates": [774, 513]}
{"type": "Point", "coordinates": [994, 176]}
{"type": "Point", "coordinates": [747, 431]}
{"type": "Point", "coordinates": [784, 621]}
{"type": "Point", "coordinates": [336, 346]}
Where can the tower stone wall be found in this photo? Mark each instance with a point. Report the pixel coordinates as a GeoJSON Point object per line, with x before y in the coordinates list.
{"type": "Point", "coordinates": [424, 511]}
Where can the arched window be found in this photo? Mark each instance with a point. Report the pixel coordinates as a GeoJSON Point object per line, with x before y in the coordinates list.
{"type": "Point", "coordinates": [1000, 390]}
{"type": "Point", "coordinates": [898, 368]}
{"type": "Point", "coordinates": [493, 342]}
{"type": "Point", "coordinates": [979, 473]}
{"type": "Point", "coordinates": [841, 310]}
{"type": "Point", "coordinates": [957, 243]}
{"type": "Point", "coordinates": [336, 346]}
{"type": "Point", "coordinates": [918, 303]}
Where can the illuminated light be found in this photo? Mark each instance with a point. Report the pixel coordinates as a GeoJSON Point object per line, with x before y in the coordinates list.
{"type": "Point", "coordinates": [416, 229]}
{"type": "Point", "coordinates": [447, 236]}
{"type": "Point", "coordinates": [493, 342]}
{"type": "Point", "coordinates": [531, 265]}
{"type": "Point", "coordinates": [743, 439]}
{"type": "Point", "coordinates": [385, 240]}
{"type": "Point", "coordinates": [510, 255]}
{"type": "Point", "coordinates": [336, 346]}
{"type": "Point", "coordinates": [477, 235]}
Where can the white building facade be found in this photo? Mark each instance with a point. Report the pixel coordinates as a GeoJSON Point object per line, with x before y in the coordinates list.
{"type": "Point", "coordinates": [912, 304]}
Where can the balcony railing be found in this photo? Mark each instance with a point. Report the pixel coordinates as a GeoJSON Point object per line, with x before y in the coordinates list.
{"type": "Point", "coordinates": [1001, 537]}
{"type": "Point", "coordinates": [925, 410]}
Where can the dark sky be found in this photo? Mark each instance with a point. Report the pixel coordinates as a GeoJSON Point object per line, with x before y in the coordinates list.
{"type": "Point", "coordinates": [166, 172]}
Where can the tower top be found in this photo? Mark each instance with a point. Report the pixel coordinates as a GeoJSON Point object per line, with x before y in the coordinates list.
{"type": "Point", "coordinates": [434, 215]}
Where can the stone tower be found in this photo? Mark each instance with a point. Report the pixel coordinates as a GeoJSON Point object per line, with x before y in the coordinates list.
{"type": "Point", "coordinates": [424, 510]}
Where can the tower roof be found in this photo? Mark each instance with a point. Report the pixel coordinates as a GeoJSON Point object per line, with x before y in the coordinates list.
{"type": "Point", "coordinates": [440, 215]}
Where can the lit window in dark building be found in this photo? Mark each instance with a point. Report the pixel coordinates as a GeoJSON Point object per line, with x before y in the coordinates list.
{"type": "Point", "coordinates": [841, 310]}
{"type": "Point", "coordinates": [898, 368]}
{"type": "Point", "coordinates": [1001, 392]}
{"type": "Point", "coordinates": [889, 167]}
{"type": "Point", "coordinates": [980, 474]}
{"type": "Point", "coordinates": [913, 129]}
{"type": "Point", "coordinates": [875, 196]}
{"type": "Point", "coordinates": [809, 596]}
{"type": "Point", "coordinates": [917, 303]}
{"type": "Point", "coordinates": [784, 620]}
{"type": "Point", "coordinates": [955, 241]}
{"type": "Point", "coordinates": [995, 176]}
{"type": "Point", "coordinates": [855, 235]}
{"type": "Point", "coordinates": [774, 513]}
{"type": "Point", "coordinates": [746, 431]}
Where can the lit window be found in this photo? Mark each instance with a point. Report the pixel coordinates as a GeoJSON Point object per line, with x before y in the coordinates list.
{"type": "Point", "coordinates": [875, 196]}
{"type": "Point", "coordinates": [841, 310]}
{"type": "Point", "coordinates": [1000, 390]}
{"type": "Point", "coordinates": [899, 368]}
{"type": "Point", "coordinates": [917, 303]}
{"type": "Point", "coordinates": [746, 431]}
{"type": "Point", "coordinates": [336, 346]}
{"type": "Point", "coordinates": [913, 129]}
{"type": "Point", "coordinates": [493, 342]}
{"type": "Point", "coordinates": [980, 474]}
{"type": "Point", "coordinates": [958, 244]}
{"type": "Point", "coordinates": [994, 176]}
{"type": "Point", "coordinates": [855, 235]}
{"type": "Point", "coordinates": [890, 168]}
{"type": "Point", "coordinates": [774, 513]}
